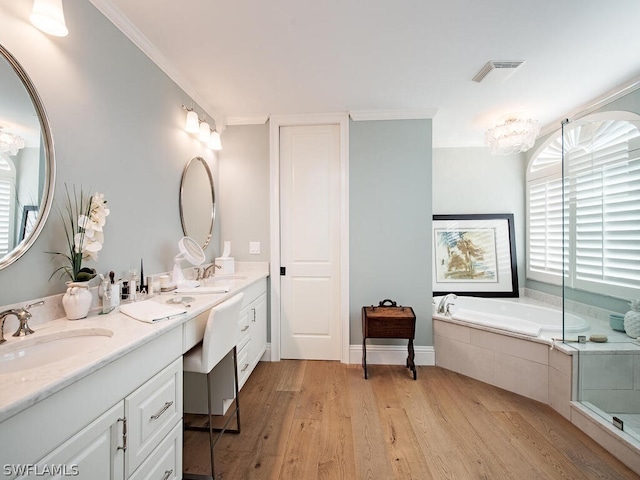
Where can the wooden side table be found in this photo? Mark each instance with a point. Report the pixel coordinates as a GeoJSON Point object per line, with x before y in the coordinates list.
{"type": "Point", "coordinates": [388, 320]}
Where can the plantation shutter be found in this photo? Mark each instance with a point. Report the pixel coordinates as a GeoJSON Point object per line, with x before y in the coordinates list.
{"type": "Point", "coordinates": [6, 206]}
{"type": "Point", "coordinates": [545, 226]}
{"type": "Point", "coordinates": [605, 193]}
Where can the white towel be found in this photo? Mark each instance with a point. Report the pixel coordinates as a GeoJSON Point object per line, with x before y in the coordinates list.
{"type": "Point", "coordinates": [150, 311]}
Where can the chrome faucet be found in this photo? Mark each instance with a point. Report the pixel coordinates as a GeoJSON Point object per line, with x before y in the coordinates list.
{"type": "Point", "coordinates": [210, 270]}
{"type": "Point", "coordinates": [443, 306]}
{"type": "Point", "coordinates": [23, 315]}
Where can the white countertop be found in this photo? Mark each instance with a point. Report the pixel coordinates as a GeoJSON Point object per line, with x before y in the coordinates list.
{"type": "Point", "coordinates": [22, 389]}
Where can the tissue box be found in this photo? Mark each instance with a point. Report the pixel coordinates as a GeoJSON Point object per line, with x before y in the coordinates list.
{"type": "Point", "coordinates": [227, 265]}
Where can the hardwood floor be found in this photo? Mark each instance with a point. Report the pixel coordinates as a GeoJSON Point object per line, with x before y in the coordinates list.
{"type": "Point", "coordinates": [306, 420]}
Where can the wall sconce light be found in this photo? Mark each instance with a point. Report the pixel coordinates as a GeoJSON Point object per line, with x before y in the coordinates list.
{"type": "Point", "coordinates": [194, 125]}
{"type": "Point", "coordinates": [214, 142]}
{"type": "Point", "coordinates": [204, 135]}
{"type": "Point", "coordinates": [48, 16]}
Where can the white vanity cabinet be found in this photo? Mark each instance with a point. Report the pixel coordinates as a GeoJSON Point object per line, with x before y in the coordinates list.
{"type": "Point", "coordinates": [153, 411]}
{"type": "Point", "coordinates": [120, 418]}
{"type": "Point", "coordinates": [96, 451]}
{"type": "Point", "coordinates": [120, 440]}
{"type": "Point", "coordinates": [252, 329]}
{"type": "Point", "coordinates": [107, 425]}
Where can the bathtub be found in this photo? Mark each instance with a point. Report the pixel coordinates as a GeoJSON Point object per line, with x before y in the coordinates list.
{"type": "Point", "coordinates": [516, 316]}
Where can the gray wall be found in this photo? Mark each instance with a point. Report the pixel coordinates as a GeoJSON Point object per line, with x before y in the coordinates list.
{"type": "Point", "coordinates": [389, 211]}
{"type": "Point", "coordinates": [118, 129]}
{"type": "Point", "coordinates": [471, 180]}
{"type": "Point", "coordinates": [390, 219]}
{"type": "Point", "coordinates": [243, 197]}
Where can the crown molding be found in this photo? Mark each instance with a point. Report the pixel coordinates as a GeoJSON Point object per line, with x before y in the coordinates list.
{"type": "Point", "coordinates": [369, 115]}
{"type": "Point", "coordinates": [590, 107]}
{"type": "Point", "coordinates": [122, 23]}
{"type": "Point", "coordinates": [255, 119]}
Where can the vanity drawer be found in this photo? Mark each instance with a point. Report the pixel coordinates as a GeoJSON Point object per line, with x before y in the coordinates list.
{"type": "Point", "coordinates": [165, 463]}
{"type": "Point", "coordinates": [243, 325]}
{"type": "Point", "coordinates": [243, 364]}
{"type": "Point", "coordinates": [152, 411]}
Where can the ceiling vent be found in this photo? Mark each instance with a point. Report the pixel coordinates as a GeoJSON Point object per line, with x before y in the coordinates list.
{"type": "Point", "coordinates": [499, 70]}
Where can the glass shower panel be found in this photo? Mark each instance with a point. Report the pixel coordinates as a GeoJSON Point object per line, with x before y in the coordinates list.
{"type": "Point", "coordinates": [601, 248]}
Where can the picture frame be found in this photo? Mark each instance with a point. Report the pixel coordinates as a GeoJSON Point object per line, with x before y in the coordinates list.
{"type": "Point", "coordinates": [474, 255]}
{"type": "Point", "coordinates": [29, 217]}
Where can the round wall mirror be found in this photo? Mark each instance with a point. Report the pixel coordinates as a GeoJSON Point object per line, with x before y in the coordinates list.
{"type": "Point", "coordinates": [27, 164]}
{"type": "Point", "coordinates": [197, 201]}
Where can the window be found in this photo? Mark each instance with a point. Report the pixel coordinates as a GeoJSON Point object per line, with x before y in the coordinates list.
{"type": "Point", "coordinates": [599, 214]}
{"type": "Point", "coordinates": [7, 205]}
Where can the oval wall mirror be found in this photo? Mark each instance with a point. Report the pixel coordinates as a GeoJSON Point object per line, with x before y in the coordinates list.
{"type": "Point", "coordinates": [27, 164]}
{"type": "Point", "coordinates": [197, 201]}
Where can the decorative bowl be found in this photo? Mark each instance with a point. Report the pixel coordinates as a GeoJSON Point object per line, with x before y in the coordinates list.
{"type": "Point", "coordinates": [616, 322]}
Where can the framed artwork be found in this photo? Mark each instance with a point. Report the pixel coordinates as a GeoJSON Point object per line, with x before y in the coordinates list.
{"type": "Point", "coordinates": [474, 255]}
{"type": "Point", "coordinates": [29, 216]}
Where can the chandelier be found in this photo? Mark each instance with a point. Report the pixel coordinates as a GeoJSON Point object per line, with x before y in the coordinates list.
{"type": "Point", "coordinates": [512, 134]}
{"type": "Point", "coordinates": [10, 143]}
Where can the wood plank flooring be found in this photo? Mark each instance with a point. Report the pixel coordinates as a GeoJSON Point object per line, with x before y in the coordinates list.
{"type": "Point", "coordinates": [316, 420]}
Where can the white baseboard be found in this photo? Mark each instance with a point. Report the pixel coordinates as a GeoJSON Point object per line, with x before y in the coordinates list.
{"type": "Point", "coordinates": [381, 355]}
{"type": "Point", "coordinates": [391, 355]}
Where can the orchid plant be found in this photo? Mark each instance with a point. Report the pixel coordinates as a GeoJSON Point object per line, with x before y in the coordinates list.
{"type": "Point", "coordinates": [83, 218]}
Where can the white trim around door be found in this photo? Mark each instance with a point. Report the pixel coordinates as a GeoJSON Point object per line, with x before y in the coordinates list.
{"type": "Point", "coordinates": [275, 122]}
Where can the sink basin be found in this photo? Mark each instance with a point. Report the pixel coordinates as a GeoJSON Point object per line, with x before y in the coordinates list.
{"type": "Point", "coordinates": [38, 350]}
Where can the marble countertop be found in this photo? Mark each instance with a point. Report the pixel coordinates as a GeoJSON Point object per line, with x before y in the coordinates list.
{"type": "Point", "coordinates": [22, 389]}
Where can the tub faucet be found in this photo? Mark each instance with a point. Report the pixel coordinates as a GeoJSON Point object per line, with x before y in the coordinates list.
{"type": "Point", "coordinates": [23, 315]}
{"type": "Point", "coordinates": [443, 306]}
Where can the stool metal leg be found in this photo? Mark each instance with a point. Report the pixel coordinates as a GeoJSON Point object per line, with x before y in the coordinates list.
{"type": "Point", "coordinates": [211, 442]}
{"type": "Point", "coordinates": [210, 429]}
{"type": "Point", "coordinates": [235, 372]}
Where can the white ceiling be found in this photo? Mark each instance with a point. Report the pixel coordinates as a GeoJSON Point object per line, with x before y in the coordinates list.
{"type": "Point", "coordinates": [246, 58]}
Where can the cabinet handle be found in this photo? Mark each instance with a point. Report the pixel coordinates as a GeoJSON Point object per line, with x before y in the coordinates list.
{"type": "Point", "coordinates": [246, 365]}
{"type": "Point", "coordinates": [167, 474]}
{"type": "Point", "coordinates": [254, 315]}
{"type": "Point", "coordinates": [162, 410]}
{"type": "Point", "coordinates": [245, 329]}
{"type": "Point", "coordinates": [124, 434]}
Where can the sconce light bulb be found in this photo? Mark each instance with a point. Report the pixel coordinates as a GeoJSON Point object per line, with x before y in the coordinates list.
{"type": "Point", "coordinates": [205, 132]}
{"type": "Point", "coordinates": [192, 124]}
{"type": "Point", "coordinates": [214, 143]}
{"type": "Point", "coordinates": [48, 16]}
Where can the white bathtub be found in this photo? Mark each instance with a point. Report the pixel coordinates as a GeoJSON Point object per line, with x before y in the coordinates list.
{"type": "Point", "coordinates": [516, 316]}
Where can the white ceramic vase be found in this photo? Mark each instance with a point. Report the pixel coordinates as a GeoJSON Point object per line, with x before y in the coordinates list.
{"type": "Point", "coordinates": [632, 320]}
{"type": "Point", "coordinates": [77, 300]}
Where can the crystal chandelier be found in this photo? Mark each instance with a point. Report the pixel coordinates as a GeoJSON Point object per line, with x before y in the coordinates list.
{"type": "Point", "coordinates": [10, 143]}
{"type": "Point", "coordinates": [512, 134]}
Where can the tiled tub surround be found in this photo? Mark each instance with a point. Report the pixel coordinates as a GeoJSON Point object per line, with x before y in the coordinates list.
{"type": "Point", "coordinates": [547, 370]}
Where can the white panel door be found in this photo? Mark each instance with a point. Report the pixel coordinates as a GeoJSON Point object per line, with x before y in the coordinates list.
{"type": "Point", "coordinates": [310, 242]}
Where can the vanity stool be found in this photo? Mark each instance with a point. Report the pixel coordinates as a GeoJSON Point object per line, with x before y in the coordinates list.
{"type": "Point", "coordinates": [220, 338]}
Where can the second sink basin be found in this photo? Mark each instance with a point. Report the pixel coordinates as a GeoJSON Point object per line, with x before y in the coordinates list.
{"type": "Point", "coordinates": [39, 350]}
